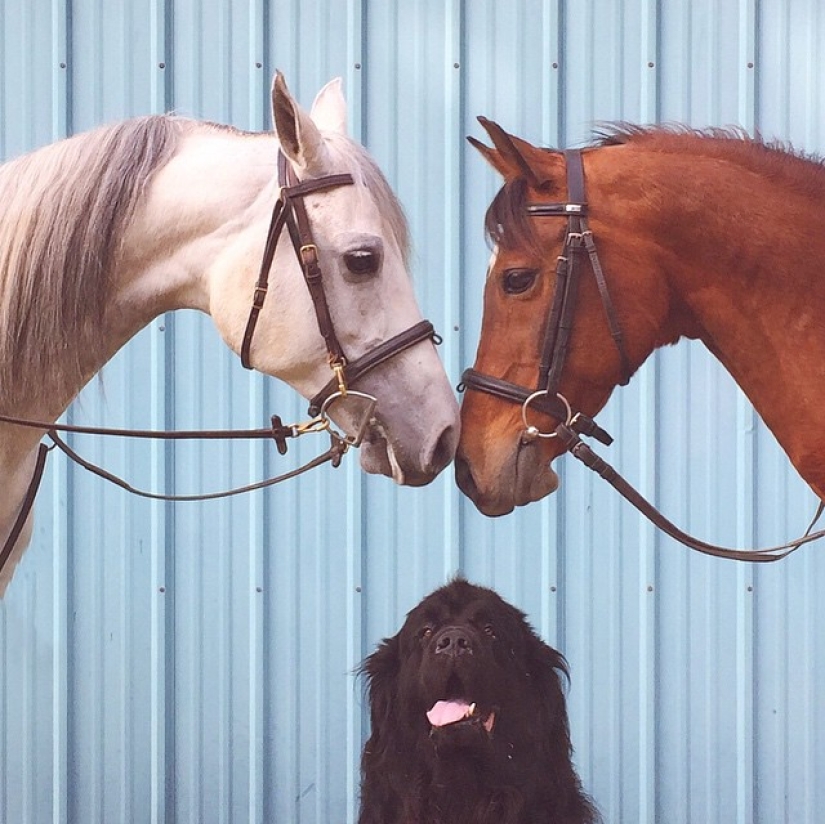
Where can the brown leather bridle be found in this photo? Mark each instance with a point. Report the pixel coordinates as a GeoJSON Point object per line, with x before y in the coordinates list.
{"type": "Point", "coordinates": [289, 211]}
{"type": "Point", "coordinates": [546, 397]}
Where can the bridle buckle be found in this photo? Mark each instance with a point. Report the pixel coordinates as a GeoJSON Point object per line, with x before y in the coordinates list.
{"type": "Point", "coordinates": [308, 253]}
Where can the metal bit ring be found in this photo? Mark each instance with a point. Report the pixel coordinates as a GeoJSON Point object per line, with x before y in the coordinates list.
{"type": "Point", "coordinates": [532, 432]}
{"type": "Point", "coordinates": [351, 440]}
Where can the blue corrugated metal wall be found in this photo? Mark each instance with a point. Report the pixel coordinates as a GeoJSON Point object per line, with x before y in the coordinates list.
{"type": "Point", "coordinates": [196, 663]}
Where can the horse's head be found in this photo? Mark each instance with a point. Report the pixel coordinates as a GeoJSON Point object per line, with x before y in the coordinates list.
{"type": "Point", "coordinates": [499, 464]}
{"type": "Point", "coordinates": [359, 237]}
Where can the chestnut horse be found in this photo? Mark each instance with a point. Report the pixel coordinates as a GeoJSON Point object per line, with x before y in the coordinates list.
{"type": "Point", "coordinates": [707, 235]}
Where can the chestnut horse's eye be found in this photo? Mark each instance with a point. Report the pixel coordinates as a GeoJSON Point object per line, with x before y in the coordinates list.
{"type": "Point", "coordinates": [362, 261]}
{"type": "Point", "coordinates": [516, 281]}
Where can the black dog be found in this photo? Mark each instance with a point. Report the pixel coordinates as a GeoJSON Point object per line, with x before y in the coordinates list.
{"type": "Point", "coordinates": [469, 724]}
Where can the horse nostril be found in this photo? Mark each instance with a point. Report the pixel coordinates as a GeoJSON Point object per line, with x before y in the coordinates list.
{"type": "Point", "coordinates": [464, 478]}
{"type": "Point", "coordinates": [443, 451]}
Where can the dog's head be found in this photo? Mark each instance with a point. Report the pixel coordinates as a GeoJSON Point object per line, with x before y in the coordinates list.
{"type": "Point", "coordinates": [465, 669]}
{"type": "Point", "coordinates": [468, 719]}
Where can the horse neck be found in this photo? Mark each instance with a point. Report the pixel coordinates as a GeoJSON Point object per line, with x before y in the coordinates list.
{"type": "Point", "coordinates": [743, 253]}
{"type": "Point", "coordinates": [218, 189]}
{"type": "Point", "coordinates": [203, 200]}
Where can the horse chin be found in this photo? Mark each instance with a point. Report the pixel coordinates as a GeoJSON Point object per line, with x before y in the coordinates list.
{"type": "Point", "coordinates": [525, 477]}
{"type": "Point", "coordinates": [379, 458]}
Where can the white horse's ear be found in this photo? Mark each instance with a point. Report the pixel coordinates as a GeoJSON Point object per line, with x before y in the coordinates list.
{"type": "Point", "coordinates": [300, 138]}
{"type": "Point", "coordinates": [329, 111]}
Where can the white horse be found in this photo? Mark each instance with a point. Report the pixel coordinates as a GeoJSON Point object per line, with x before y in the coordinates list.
{"type": "Point", "coordinates": [104, 231]}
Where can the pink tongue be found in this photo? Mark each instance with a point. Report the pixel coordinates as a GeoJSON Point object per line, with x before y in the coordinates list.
{"type": "Point", "coordinates": [447, 712]}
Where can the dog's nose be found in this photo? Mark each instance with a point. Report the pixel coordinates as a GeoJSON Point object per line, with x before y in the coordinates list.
{"type": "Point", "coordinates": [453, 641]}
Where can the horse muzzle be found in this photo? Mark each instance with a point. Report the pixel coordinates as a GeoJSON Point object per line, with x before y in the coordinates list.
{"type": "Point", "coordinates": [522, 477]}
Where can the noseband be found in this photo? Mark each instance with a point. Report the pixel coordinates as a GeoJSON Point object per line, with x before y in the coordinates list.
{"type": "Point", "coordinates": [290, 211]}
{"type": "Point", "coordinates": [545, 396]}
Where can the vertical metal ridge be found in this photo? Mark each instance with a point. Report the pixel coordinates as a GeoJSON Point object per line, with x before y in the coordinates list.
{"type": "Point", "coordinates": [746, 512]}
{"type": "Point", "coordinates": [60, 663]}
{"type": "Point", "coordinates": [454, 73]}
{"type": "Point", "coordinates": [162, 633]}
{"type": "Point", "coordinates": [356, 533]}
{"type": "Point", "coordinates": [650, 386]}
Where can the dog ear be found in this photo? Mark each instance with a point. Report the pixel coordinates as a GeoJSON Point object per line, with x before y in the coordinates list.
{"type": "Point", "coordinates": [547, 668]}
{"type": "Point", "coordinates": [382, 670]}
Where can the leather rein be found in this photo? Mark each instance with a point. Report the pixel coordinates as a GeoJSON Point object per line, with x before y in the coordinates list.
{"type": "Point", "coordinates": [545, 397]}
{"type": "Point", "coordinates": [289, 211]}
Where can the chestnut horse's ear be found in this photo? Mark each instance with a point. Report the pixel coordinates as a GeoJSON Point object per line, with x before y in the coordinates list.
{"type": "Point", "coordinates": [494, 158]}
{"type": "Point", "coordinates": [508, 148]}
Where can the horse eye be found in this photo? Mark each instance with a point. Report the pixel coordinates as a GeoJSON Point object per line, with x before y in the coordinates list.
{"type": "Point", "coordinates": [516, 281]}
{"type": "Point", "coordinates": [362, 262]}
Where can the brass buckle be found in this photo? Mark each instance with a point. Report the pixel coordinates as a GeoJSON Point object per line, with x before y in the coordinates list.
{"type": "Point", "coordinates": [306, 250]}
{"type": "Point", "coordinates": [337, 367]}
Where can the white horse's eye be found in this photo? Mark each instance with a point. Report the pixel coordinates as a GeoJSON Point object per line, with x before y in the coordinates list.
{"type": "Point", "coordinates": [362, 261]}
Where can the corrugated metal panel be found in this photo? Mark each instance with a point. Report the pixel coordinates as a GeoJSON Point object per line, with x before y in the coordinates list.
{"type": "Point", "coordinates": [196, 663]}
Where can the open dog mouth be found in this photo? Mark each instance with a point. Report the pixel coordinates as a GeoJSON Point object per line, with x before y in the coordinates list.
{"type": "Point", "coordinates": [458, 712]}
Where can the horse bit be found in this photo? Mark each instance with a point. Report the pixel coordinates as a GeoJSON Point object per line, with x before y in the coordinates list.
{"type": "Point", "coordinates": [546, 397]}
{"type": "Point", "coordinates": [290, 211]}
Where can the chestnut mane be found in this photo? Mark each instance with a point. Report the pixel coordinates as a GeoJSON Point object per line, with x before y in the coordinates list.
{"type": "Point", "coordinates": [508, 224]}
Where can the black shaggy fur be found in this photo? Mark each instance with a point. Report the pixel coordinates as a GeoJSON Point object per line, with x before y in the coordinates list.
{"type": "Point", "coordinates": [507, 763]}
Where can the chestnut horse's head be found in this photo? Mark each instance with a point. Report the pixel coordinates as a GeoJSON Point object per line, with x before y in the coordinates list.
{"type": "Point", "coordinates": [501, 461]}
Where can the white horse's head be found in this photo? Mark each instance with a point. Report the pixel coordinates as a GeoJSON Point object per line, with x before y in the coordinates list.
{"type": "Point", "coordinates": [361, 236]}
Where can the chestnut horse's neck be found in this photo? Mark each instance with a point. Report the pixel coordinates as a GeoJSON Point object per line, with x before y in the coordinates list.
{"type": "Point", "coordinates": [739, 244]}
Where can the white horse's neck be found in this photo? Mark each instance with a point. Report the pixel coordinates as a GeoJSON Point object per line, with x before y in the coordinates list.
{"type": "Point", "coordinates": [200, 207]}
{"type": "Point", "coordinates": [196, 208]}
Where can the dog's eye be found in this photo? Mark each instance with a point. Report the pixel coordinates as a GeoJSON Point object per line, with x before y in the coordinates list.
{"type": "Point", "coordinates": [426, 632]}
{"type": "Point", "coordinates": [490, 630]}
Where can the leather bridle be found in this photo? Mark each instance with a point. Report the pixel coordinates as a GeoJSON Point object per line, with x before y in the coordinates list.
{"type": "Point", "coordinates": [545, 397]}
{"type": "Point", "coordinates": [289, 211]}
